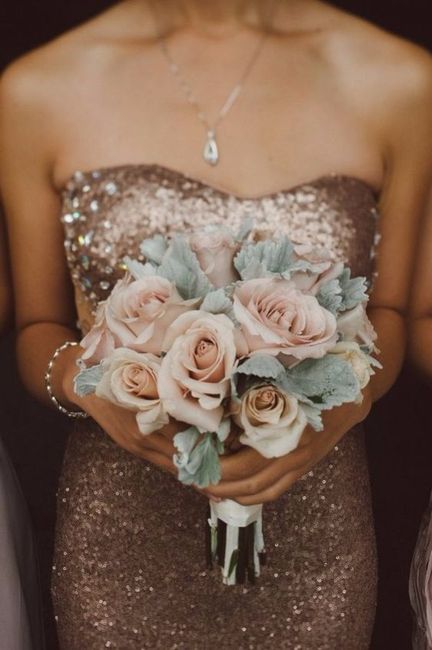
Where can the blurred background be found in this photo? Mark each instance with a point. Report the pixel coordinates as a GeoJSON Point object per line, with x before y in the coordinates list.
{"type": "Point", "coordinates": [399, 431]}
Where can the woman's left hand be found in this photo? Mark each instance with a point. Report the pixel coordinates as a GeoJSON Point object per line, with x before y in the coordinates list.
{"type": "Point", "coordinates": [249, 478]}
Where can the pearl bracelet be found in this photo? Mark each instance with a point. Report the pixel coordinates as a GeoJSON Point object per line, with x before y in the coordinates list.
{"type": "Point", "coordinates": [48, 377]}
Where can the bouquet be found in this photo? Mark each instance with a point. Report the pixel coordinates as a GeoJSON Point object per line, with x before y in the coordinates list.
{"type": "Point", "coordinates": [233, 334]}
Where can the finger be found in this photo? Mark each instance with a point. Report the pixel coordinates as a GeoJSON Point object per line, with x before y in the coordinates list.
{"type": "Point", "coordinates": [297, 460]}
{"type": "Point", "coordinates": [280, 486]}
{"type": "Point", "coordinates": [157, 442]}
{"type": "Point", "coordinates": [273, 492]}
{"type": "Point", "coordinates": [241, 464]}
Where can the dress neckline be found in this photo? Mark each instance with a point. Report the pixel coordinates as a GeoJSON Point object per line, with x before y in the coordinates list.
{"type": "Point", "coordinates": [146, 168]}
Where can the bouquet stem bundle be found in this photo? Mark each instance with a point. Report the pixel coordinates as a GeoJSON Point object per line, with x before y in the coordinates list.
{"type": "Point", "coordinates": [236, 541]}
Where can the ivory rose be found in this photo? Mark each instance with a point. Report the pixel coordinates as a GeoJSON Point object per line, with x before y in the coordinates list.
{"type": "Point", "coordinates": [195, 373]}
{"type": "Point", "coordinates": [277, 317]}
{"type": "Point", "coordinates": [273, 421]}
{"type": "Point", "coordinates": [138, 312]}
{"type": "Point", "coordinates": [99, 342]}
{"type": "Point", "coordinates": [130, 380]}
{"type": "Point", "coordinates": [354, 325]}
{"type": "Point", "coordinates": [215, 249]}
{"type": "Point", "coordinates": [353, 354]}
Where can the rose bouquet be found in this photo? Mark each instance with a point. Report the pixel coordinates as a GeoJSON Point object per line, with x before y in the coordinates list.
{"type": "Point", "coordinates": [234, 335]}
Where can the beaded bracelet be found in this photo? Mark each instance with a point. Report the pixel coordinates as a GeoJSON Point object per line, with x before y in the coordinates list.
{"type": "Point", "coordinates": [48, 377]}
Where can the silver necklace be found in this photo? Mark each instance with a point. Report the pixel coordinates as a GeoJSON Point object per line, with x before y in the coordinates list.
{"type": "Point", "coordinates": [211, 148]}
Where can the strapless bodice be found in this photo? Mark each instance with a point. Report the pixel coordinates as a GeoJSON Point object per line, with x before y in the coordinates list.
{"type": "Point", "coordinates": [107, 213]}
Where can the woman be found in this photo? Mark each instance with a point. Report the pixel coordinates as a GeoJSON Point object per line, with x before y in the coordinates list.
{"type": "Point", "coordinates": [321, 115]}
{"type": "Point", "coordinates": [20, 619]}
{"type": "Point", "coordinates": [421, 354]}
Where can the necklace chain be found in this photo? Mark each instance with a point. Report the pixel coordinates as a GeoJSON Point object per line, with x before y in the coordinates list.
{"type": "Point", "coordinates": [211, 148]}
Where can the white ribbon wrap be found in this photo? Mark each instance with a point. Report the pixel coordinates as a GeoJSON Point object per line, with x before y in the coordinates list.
{"type": "Point", "coordinates": [236, 516]}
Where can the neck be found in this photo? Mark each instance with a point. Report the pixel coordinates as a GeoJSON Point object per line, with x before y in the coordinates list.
{"type": "Point", "coordinates": [214, 16]}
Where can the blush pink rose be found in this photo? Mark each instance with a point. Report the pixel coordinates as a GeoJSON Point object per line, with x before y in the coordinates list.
{"type": "Point", "coordinates": [215, 250]}
{"type": "Point", "coordinates": [272, 421]}
{"type": "Point", "coordinates": [195, 373]}
{"type": "Point", "coordinates": [138, 312]}
{"type": "Point", "coordinates": [99, 342]}
{"type": "Point", "coordinates": [325, 269]}
{"type": "Point", "coordinates": [277, 317]}
{"type": "Point", "coordinates": [130, 380]}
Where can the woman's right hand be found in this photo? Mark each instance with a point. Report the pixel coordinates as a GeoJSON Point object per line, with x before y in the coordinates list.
{"type": "Point", "coordinates": [120, 424]}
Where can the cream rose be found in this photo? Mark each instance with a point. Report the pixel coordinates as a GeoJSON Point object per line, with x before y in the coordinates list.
{"type": "Point", "coordinates": [138, 312]}
{"type": "Point", "coordinates": [130, 380]}
{"type": "Point", "coordinates": [215, 249]}
{"type": "Point", "coordinates": [354, 325]}
{"type": "Point", "coordinates": [273, 421]}
{"type": "Point", "coordinates": [277, 317]}
{"type": "Point", "coordinates": [358, 360]}
{"type": "Point", "coordinates": [195, 373]}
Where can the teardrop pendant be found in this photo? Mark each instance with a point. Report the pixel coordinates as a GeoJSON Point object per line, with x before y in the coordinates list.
{"type": "Point", "coordinates": [211, 150]}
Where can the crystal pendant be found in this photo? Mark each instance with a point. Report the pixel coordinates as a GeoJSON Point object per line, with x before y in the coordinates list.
{"type": "Point", "coordinates": [211, 151]}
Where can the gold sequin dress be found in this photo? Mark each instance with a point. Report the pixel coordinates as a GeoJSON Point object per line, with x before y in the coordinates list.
{"type": "Point", "coordinates": [129, 569]}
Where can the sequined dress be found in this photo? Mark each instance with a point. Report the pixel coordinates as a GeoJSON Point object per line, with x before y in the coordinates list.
{"type": "Point", "coordinates": [129, 568]}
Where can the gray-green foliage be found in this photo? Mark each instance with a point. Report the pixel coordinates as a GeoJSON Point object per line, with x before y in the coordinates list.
{"type": "Point", "coordinates": [322, 383]}
{"type": "Point", "coordinates": [197, 459]}
{"type": "Point", "coordinates": [180, 265]}
{"type": "Point", "coordinates": [86, 381]}
{"type": "Point", "coordinates": [264, 258]}
{"type": "Point", "coordinates": [217, 302]}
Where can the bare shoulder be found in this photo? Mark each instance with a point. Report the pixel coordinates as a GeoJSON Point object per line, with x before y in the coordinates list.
{"type": "Point", "coordinates": [391, 72]}
{"type": "Point", "coordinates": [64, 65]}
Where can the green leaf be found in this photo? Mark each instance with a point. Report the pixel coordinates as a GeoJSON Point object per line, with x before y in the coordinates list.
{"type": "Point", "coordinates": [330, 296]}
{"type": "Point", "coordinates": [154, 248]}
{"type": "Point", "coordinates": [233, 562]}
{"type": "Point", "coordinates": [313, 416]}
{"type": "Point", "coordinates": [86, 381]}
{"type": "Point", "coordinates": [198, 464]}
{"type": "Point", "coordinates": [275, 257]}
{"type": "Point", "coordinates": [217, 302]}
{"type": "Point", "coordinates": [354, 290]}
{"type": "Point", "coordinates": [245, 229]}
{"type": "Point", "coordinates": [138, 270]}
{"type": "Point", "coordinates": [261, 365]}
{"type": "Point", "coordinates": [223, 431]}
{"type": "Point", "coordinates": [180, 265]}
{"type": "Point", "coordinates": [323, 383]}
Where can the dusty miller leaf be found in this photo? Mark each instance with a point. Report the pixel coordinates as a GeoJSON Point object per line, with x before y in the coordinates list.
{"type": "Point", "coordinates": [198, 464]}
{"type": "Point", "coordinates": [154, 248]}
{"type": "Point", "coordinates": [139, 270]}
{"type": "Point", "coordinates": [217, 302]}
{"type": "Point", "coordinates": [330, 296]}
{"type": "Point", "coordinates": [354, 290]}
{"type": "Point", "coordinates": [245, 229]}
{"type": "Point", "coordinates": [180, 265]}
{"type": "Point", "coordinates": [86, 381]}
{"type": "Point", "coordinates": [261, 365]}
{"type": "Point", "coordinates": [323, 383]}
{"type": "Point", "coordinates": [275, 256]}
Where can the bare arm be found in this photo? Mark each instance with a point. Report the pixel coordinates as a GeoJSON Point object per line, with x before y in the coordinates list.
{"type": "Point", "coordinates": [420, 331]}
{"type": "Point", "coordinates": [45, 313]}
{"type": "Point", "coordinates": [5, 286]}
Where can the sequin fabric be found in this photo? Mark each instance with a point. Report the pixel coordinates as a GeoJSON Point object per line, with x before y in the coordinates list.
{"type": "Point", "coordinates": [129, 561]}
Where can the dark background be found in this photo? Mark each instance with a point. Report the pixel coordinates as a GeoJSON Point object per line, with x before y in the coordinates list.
{"type": "Point", "coordinates": [398, 431]}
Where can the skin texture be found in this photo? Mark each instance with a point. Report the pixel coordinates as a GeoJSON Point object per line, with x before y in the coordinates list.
{"type": "Point", "coordinates": [101, 95]}
{"type": "Point", "coordinates": [5, 287]}
{"type": "Point", "coordinates": [420, 333]}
